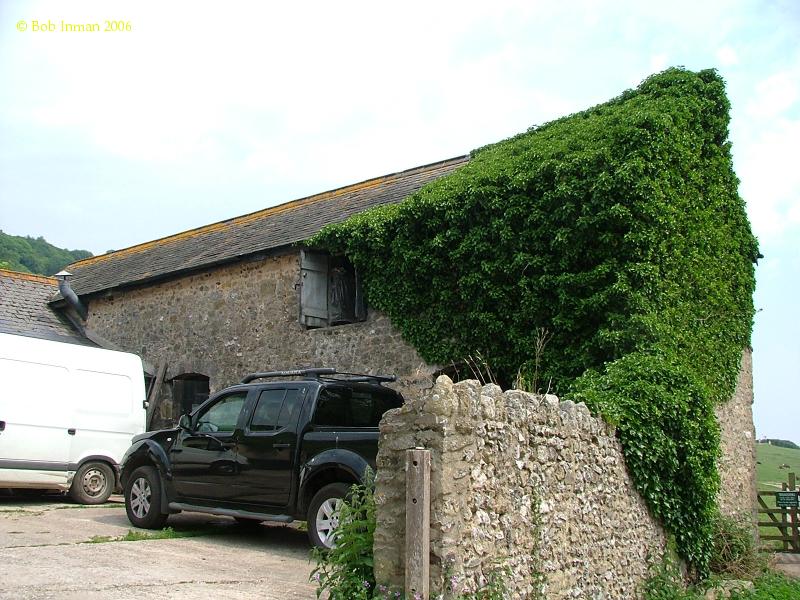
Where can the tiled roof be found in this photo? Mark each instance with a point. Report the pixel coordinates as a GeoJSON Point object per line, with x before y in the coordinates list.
{"type": "Point", "coordinates": [24, 309]}
{"type": "Point", "coordinates": [249, 234]}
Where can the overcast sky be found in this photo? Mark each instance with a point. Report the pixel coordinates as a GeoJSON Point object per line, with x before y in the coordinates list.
{"type": "Point", "coordinates": [204, 111]}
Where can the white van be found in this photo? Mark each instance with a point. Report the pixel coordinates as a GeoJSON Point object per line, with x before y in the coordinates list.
{"type": "Point", "coordinates": [67, 415]}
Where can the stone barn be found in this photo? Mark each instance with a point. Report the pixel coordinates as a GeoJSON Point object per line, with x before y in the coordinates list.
{"type": "Point", "coordinates": [206, 306]}
{"type": "Point", "coordinates": [580, 223]}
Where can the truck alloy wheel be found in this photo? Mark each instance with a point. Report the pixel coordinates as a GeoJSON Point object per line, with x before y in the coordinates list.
{"type": "Point", "coordinates": [141, 495]}
{"type": "Point", "coordinates": [143, 499]}
{"type": "Point", "coordinates": [323, 514]}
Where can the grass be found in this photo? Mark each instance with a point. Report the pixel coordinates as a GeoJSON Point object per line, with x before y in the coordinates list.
{"type": "Point", "coordinates": [769, 475]}
{"type": "Point", "coordinates": [168, 533]}
{"type": "Point", "coordinates": [772, 587]}
{"type": "Point", "coordinates": [35, 508]}
{"type": "Point", "coordinates": [21, 511]}
{"type": "Point", "coordinates": [72, 506]}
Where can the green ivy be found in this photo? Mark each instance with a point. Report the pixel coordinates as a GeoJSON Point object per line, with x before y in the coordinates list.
{"type": "Point", "coordinates": [619, 230]}
{"type": "Point", "coordinates": [345, 572]}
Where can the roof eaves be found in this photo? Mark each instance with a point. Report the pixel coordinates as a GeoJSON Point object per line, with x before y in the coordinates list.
{"type": "Point", "coordinates": [271, 211]}
{"type": "Point", "coordinates": [29, 277]}
{"type": "Point", "coordinates": [57, 300]}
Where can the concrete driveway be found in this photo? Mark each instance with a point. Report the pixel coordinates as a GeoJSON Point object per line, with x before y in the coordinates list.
{"type": "Point", "coordinates": [52, 548]}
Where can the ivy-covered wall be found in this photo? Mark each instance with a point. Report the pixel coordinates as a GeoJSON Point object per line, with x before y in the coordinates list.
{"type": "Point", "coordinates": [606, 256]}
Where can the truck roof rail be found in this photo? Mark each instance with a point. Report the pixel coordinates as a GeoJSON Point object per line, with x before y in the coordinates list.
{"type": "Point", "coordinates": [321, 373]}
{"type": "Point", "coordinates": [361, 377]}
{"type": "Point", "coordinates": [293, 373]}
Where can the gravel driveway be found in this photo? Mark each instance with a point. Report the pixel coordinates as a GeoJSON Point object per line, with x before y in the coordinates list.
{"type": "Point", "coordinates": [51, 548]}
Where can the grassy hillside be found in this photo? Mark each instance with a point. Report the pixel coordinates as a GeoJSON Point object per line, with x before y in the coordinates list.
{"type": "Point", "coordinates": [768, 473]}
{"type": "Point", "coordinates": [35, 255]}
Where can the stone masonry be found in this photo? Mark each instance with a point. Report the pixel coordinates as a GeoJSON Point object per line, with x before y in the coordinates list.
{"type": "Point", "coordinates": [737, 462]}
{"type": "Point", "coordinates": [237, 319]}
{"type": "Point", "coordinates": [518, 482]}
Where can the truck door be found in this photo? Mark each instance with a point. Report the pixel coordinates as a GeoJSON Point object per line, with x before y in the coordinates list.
{"type": "Point", "coordinates": [204, 464]}
{"type": "Point", "coordinates": [267, 446]}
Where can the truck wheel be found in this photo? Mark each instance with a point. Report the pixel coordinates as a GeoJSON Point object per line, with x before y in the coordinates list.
{"type": "Point", "coordinates": [323, 514]}
{"type": "Point", "coordinates": [92, 484]}
{"type": "Point", "coordinates": [143, 499]}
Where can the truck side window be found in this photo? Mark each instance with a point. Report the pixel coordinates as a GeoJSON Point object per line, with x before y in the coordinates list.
{"type": "Point", "coordinates": [265, 416]}
{"type": "Point", "coordinates": [223, 415]}
{"type": "Point", "coordinates": [333, 408]}
{"type": "Point", "coordinates": [291, 404]}
{"type": "Point", "coordinates": [276, 409]}
{"type": "Point", "coordinates": [353, 408]}
{"type": "Point", "coordinates": [367, 408]}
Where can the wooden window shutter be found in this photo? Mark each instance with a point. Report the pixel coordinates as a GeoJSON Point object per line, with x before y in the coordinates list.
{"type": "Point", "coordinates": [361, 303]}
{"type": "Point", "coordinates": [313, 288]}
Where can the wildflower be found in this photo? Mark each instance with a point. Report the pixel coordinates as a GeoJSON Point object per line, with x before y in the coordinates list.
{"type": "Point", "coordinates": [366, 584]}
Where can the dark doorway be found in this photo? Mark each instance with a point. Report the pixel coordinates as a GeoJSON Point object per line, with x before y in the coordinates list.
{"type": "Point", "coordinates": [189, 390]}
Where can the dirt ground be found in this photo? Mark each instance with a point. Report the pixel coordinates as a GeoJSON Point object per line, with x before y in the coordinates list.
{"type": "Point", "coordinates": [52, 548]}
{"type": "Point", "coordinates": [788, 564]}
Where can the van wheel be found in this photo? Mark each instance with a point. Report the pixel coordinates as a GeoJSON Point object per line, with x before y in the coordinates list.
{"type": "Point", "coordinates": [323, 514]}
{"type": "Point", "coordinates": [92, 484]}
{"type": "Point", "coordinates": [143, 499]}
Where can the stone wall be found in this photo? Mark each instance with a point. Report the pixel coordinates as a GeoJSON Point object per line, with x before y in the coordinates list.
{"type": "Point", "coordinates": [520, 482]}
{"type": "Point", "coordinates": [241, 318]}
{"type": "Point", "coordinates": [737, 463]}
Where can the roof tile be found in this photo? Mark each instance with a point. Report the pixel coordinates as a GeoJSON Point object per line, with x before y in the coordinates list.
{"type": "Point", "coordinates": [24, 308]}
{"type": "Point", "coordinates": [249, 234]}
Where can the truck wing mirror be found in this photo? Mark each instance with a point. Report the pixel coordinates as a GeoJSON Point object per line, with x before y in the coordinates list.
{"type": "Point", "coordinates": [185, 422]}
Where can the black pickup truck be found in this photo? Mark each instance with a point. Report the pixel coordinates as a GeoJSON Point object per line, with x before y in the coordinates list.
{"type": "Point", "coordinates": [280, 446]}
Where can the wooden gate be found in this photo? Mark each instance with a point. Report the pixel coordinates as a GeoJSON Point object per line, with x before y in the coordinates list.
{"type": "Point", "coordinates": [781, 509]}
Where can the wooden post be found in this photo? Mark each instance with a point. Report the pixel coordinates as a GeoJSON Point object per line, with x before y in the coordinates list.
{"type": "Point", "coordinates": [154, 394]}
{"type": "Point", "coordinates": [793, 516]}
{"type": "Point", "coordinates": [784, 521]}
{"type": "Point", "coordinates": [418, 523]}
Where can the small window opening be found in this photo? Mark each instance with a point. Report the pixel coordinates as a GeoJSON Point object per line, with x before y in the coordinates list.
{"type": "Point", "coordinates": [330, 291]}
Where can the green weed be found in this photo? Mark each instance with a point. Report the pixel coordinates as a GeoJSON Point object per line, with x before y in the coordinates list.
{"type": "Point", "coordinates": [345, 571]}
{"type": "Point", "coordinates": [167, 533]}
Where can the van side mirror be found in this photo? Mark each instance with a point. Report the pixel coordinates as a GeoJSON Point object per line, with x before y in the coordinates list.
{"type": "Point", "coordinates": [185, 422]}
